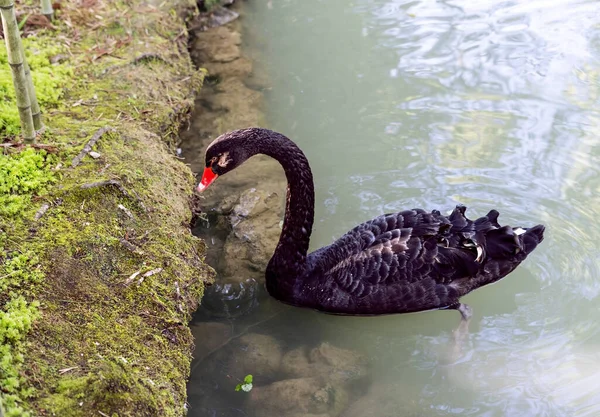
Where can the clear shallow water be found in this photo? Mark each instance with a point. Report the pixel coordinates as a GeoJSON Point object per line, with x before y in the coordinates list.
{"type": "Point", "coordinates": [427, 104]}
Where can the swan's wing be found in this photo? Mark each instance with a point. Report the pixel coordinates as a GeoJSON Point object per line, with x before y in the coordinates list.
{"type": "Point", "coordinates": [403, 248]}
{"type": "Point", "coordinates": [404, 259]}
{"type": "Point", "coordinates": [384, 228]}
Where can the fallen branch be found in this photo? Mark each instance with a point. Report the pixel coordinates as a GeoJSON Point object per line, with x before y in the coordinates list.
{"type": "Point", "coordinates": [46, 147]}
{"type": "Point", "coordinates": [115, 183]}
{"type": "Point", "coordinates": [130, 246]}
{"type": "Point", "coordinates": [142, 58]}
{"type": "Point", "coordinates": [126, 211]}
{"type": "Point", "coordinates": [88, 146]}
{"type": "Point", "coordinates": [119, 186]}
{"type": "Point", "coordinates": [149, 274]}
{"type": "Point", "coordinates": [65, 370]}
{"type": "Point", "coordinates": [149, 57]}
{"type": "Point", "coordinates": [133, 276]}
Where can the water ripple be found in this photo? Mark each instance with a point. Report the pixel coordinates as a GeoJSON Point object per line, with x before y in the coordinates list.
{"type": "Point", "coordinates": [431, 103]}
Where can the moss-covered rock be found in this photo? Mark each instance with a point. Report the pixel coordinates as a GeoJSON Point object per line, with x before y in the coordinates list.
{"type": "Point", "coordinates": [99, 273]}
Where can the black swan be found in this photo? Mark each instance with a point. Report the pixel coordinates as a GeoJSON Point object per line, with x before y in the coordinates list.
{"type": "Point", "coordinates": [396, 263]}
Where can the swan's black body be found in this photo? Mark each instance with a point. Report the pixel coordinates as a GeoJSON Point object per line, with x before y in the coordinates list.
{"type": "Point", "coordinates": [396, 263]}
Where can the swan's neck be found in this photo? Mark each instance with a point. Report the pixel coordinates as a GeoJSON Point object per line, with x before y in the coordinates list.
{"type": "Point", "coordinates": [289, 259]}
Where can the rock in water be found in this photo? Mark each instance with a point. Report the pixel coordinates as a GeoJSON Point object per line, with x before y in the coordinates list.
{"type": "Point", "coordinates": [230, 300]}
{"type": "Point", "coordinates": [329, 363]}
{"type": "Point", "coordinates": [256, 354]}
{"type": "Point", "coordinates": [298, 397]}
{"type": "Point", "coordinates": [255, 222]}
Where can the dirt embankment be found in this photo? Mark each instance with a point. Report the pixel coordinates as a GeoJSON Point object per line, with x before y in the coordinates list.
{"type": "Point", "coordinates": [99, 273]}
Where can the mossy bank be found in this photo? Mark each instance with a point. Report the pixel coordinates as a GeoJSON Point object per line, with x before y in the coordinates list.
{"type": "Point", "coordinates": [99, 272]}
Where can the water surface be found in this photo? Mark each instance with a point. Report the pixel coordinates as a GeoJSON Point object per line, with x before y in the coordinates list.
{"type": "Point", "coordinates": [493, 104]}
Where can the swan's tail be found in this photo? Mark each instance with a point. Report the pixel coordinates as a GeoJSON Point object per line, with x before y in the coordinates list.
{"type": "Point", "coordinates": [532, 237]}
{"type": "Point", "coordinates": [506, 242]}
{"type": "Point", "coordinates": [487, 238]}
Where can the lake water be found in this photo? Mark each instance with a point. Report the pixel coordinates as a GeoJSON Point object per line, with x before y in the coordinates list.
{"type": "Point", "coordinates": [402, 104]}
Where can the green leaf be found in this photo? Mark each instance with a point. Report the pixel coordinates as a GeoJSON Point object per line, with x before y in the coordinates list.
{"type": "Point", "coordinates": [246, 386]}
{"type": "Point", "coordinates": [23, 21]}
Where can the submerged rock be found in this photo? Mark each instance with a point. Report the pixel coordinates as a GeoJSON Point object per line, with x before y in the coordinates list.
{"type": "Point", "coordinates": [218, 45]}
{"type": "Point", "coordinates": [208, 337]}
{"type": "Point", "coordinates": [298, 397]}
{"type": "Point", "coordinates": [255, 223]}
{"type": "Point", "coordinates": [221, 16]}
{"type": "Point", "coordinates": [230, 300]}
{"type": "Point", "coordinates": [387, 400]}
{"type": "Point", "coordinates": [258, 80]}
{"type": "Point", "coordinates": [240, 68]}
{"type": "Point", "coordinates": [256, 354]}
{"type": "Point", "coordinates": [327, 362]}
{"type": "Point", "coordinates": [218, 16]}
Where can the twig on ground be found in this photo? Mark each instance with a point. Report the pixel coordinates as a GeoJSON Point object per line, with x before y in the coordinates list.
{"type": "Point", "coordinates": [149, 57]}
{"type": "Point", "coordinates": [145, 235]}
{"type": "Point", "coordinates": [149, 274]}
{"type": "Point", "coordinates": [41, 212]}
{"type": "Point", "coordinates": [130, 246]}
{"type": "Point", "coordinates": [178, 293]}
{"type": "Point", "coordinates": [104, 168]}
{"type": "Point", "coordinates": [142, 58]}
{"type": "Point", "coordinates": [120, 187]}
{"type": "Point", "coordinates": [65, 370]}
{"type": "Point", "coordinates": [88, 146]}
{"type": "Point", "coordinates": [46, 147]}
{"type": "Point", "coordinates": [9, 274]}
{"type": "Point", "coordinates": [139, 200]}
{"type": "Point", "coordinates": [126, 211]}
{"type": "Point", "coordinates": [132, 277]}
{"type": "Point", "coordinates": [115, 183]}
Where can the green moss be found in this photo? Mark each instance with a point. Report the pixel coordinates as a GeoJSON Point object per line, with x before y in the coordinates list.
{"type": "Point", "coordinates": [16, 317]}
{"type": "Point", "coordinates": [82, 336]}
{"type": "Point", "coordinates": [49, 80]}
{"type": "Point", "coordinates": [21, 176]}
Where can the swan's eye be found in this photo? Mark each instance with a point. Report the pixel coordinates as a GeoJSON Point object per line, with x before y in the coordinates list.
{"type": "Point", "coordinates": [224, 159]}
{"type": "Point", "coordinates": [212, 161]}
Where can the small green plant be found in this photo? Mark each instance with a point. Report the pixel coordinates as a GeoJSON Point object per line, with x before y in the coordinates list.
{"type": "Point", "coordinates": [21, 176]}
{"type": "Point", "coordinates": [246, 386]}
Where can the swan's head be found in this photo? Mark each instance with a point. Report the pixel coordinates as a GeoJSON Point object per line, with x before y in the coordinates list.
{"type": "Point", "coordinates": [226, 153]}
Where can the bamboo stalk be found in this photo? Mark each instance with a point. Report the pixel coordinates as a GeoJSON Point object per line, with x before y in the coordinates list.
{"type": "Point", "coordinates": [14, 50]}
{"type": "Point", "coordinates": [47, 9]}
{"type": "Point", "coordinates": [36, 113]}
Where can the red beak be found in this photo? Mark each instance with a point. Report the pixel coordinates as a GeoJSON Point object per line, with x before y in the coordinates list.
{"type": "Point", "coordinates": [207, 178]}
